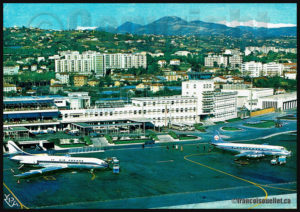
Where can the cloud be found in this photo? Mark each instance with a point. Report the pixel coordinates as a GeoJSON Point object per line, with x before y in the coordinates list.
{"type": "Point", "coordinates": [85, 28]}
{"type": "Point", "coordinates": [254, 23]}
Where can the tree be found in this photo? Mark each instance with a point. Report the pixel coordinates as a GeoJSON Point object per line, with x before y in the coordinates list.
{"type": "Point", "coordinates": [175, 68]}
{"type": "Point", "coordinates": [215, 64]}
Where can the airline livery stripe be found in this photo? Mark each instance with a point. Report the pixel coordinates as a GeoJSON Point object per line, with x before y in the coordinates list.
{"type": "Point", "coordinates": [70, 162]}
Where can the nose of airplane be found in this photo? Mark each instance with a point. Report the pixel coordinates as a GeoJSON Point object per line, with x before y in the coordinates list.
{"type": "Point", "coordinates": [288, 153]}
{"type": "Point", "coordinates": [15, 158]}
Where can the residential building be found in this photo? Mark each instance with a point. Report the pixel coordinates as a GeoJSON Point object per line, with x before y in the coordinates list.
{"type": "Point", "coordinates": [212, 59]}
{"type": "Point", "coordinates": [11, 70]}
{"type": "Point", "coordinates": [156, 87]}
{"type": "Point", "coordinates": [289, 66]}
{"type": "Point", "coordinates": [175, 62]}
{"type": "Point", "coordinates": [252, 69]}
{"type": "Point", "coordinates": [94, 62]}
{"type": "Point", "coordinates": [236, 60]}
{"type": "Point", "coordinates": [9, 87]}
{"type": "Point", "coordinates": [93, 83]}
{"type": "Point", "coordinates": [182, 53]}
{"type": "Point", "coordinates": [291, 75]}
{"type": "Point", "coordinates": [220, 79]}
{"type": "Point", "coordinates": [273, 69]}
{"type": "Point", "coordinates": [63, 77]}
{"type": "Point", "coordinates": [39, 59]}
{"type": "Point", "coordinates": [86, 63]}
{"type": "Point", "coordinates": [80, 80]}
{"type": "Point", "coordinates": [33, 67]}
{"type": "Point", "coordinates": [162, 63]}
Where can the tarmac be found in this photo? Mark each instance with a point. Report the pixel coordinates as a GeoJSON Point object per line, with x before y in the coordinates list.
{"type": "Point", "coordinates": [161, 177]}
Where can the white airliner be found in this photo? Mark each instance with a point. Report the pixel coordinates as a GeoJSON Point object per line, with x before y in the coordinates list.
{"type": "Point", "coordinates": [249, 150]}
{"type": "Point", "coordinates": [51, 163]}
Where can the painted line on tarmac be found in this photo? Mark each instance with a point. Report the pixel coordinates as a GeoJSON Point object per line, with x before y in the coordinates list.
{"type": "Point", "coordinates": [239, 178]}
{"type": "Point", "coordinates": [94, 176]}
{"type": "Point", "coordinates": [265, 137]}
{"type": "Point", "coordinates": [145, 197]}
{"type": "Point", "coordinates": [21, 204]}
{"type": "Point", "coordinates": [166, 161]}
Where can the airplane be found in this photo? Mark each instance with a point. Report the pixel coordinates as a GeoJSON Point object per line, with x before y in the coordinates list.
{"type": "Point", "coordinates": [249, 150]}
{"type": "Point", "coordinates": [51, 163]}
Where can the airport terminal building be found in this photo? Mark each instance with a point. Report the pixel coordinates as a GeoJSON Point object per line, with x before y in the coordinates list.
{"type": "Point", "coordinates": [199, 102]}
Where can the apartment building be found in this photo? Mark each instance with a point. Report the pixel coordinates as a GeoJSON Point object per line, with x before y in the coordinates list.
{"type": "Point", "coordinates": [273, 69]}
{"type": "Point", "coordinates": [252, 69]}
{"type": "Point", "coordinates": [94, 62]}
{"type": "Point", "coordinates": [212, 59]}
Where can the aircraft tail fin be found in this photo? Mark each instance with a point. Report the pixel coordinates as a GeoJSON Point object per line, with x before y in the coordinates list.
{"type": "Point", "coordinates": [217, 138]}
{"type": "Point", "coordinates": [13, 148]}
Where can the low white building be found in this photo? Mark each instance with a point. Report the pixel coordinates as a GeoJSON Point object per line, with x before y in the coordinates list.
{"type": "Point", "coordinates": [11, 70]}
{"type": "Point", "coordinates": [291, 75]}
{"type": "Point", "coordinates": [220, 79]}
{"type": "Point", "coordinates": [244, 98]}
{"type": "Point", "coordinates": [39, 59]}
{"type": "Point", "coordinates": [9, 88]}
{"type": "Point", "coordinates": [64, 78]}
{"type": "Point", "coordinates": [182, 53]}
{"type": "Point", "coordinates": [175, 62]}
{"type": "Point", "coordinates": [162, 63]}
{"type": "Point", "coordinates": [33, 67]}
{"type": "Point", "coordinates": [281, 101]}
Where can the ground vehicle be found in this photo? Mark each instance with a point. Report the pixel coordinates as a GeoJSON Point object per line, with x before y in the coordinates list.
{"type": "Point", "coordinates": [178, 126]}
{"type": "Point", "coordinates": [149, 142]}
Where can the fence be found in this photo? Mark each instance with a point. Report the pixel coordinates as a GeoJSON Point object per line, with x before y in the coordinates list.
{"type": "Point", "coordinates": [84, 150]}
{"type": "Point", "coordinates": [263, 111]}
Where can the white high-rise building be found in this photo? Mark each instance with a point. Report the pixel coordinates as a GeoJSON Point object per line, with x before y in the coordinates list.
{"type": "Point", "coordinates": [218, 106]}
{"type": "Point", "coordinates": [236, 60]}
{"type": "Point", "coordinates": [253, 69]}
{"type": "Point", "coordinates": [85, 63]}
{"type": "Point", "coordinates": [91, 61]}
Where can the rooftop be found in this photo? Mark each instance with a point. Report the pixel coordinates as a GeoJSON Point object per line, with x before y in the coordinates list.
{"type": "Point", "coordinates": [292, 95]}
{"type": "Point", "coordinates": [175, 97]}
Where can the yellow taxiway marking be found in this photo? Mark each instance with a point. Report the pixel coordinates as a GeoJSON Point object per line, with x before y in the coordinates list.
{"type": "Point", "coordinates": [217, 170]}
{"type": "Point", "coordinates": [253, 183]}
{"type": "Point", "coordinates": [94, 176]}
{"type": "Point", "coordinates": [286, 189]}
{"type": "Point", "coordinates": [21, 204]}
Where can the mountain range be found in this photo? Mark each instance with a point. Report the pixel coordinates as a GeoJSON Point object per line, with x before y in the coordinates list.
{"type": "Point", "coordinates": [172, 25]}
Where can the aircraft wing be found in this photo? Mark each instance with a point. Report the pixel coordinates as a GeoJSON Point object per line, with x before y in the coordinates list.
{"type": "Point", "coordinates": [41, 171]}
{"type": "Point", "coordinates": [253, 154]}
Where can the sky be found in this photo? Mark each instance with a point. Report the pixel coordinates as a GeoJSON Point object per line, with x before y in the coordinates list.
{"type": "Point", "coordinates": [72, 15]}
